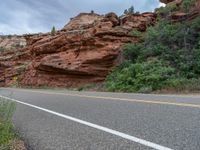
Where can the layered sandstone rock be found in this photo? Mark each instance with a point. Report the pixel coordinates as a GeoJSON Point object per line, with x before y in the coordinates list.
{"type": "Point", "coordinates": [169, 1]}
{"type": "Point", "coordinates": [12, 42]}
{"type": "Point", "coordinates": [83, 52]}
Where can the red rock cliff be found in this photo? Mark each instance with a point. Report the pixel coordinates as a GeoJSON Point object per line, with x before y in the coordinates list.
{"type": "Point", "coordinates": [83, 52]}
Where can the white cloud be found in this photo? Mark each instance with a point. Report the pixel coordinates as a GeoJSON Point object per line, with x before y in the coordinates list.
{"type": "Point", "coordinates": [162, 5]}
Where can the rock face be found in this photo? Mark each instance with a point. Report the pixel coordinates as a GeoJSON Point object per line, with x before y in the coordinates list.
{"type": "Point", "coordinates": [83, 52]}
{"type": "Point", "coordinates": [12, 42]}
{"type": "Point", "coordinates": [167, 1]}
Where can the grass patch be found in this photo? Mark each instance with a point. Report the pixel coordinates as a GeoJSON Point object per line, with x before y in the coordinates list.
{"type": "Point", "coordinates": [7, 133]}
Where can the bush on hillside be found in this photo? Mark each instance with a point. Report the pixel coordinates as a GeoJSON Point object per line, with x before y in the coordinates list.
{"type": "Point", "coordinates": [187, 4]}
{"type": "Point", "coordinates": [136, 33]}
{"type": "Point", "coordinates": [168, 57]}
{"type": "Point", "coordinates": [148, 76]}
{"type": "Point", "coordinates": [167, 10]}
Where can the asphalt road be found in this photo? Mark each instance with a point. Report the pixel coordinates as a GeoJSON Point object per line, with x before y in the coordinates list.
{"type": "Point", "coordinates": [70, 120]}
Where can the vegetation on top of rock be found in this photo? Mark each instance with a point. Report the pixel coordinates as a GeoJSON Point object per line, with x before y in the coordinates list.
{"type": "Point", "coordinates": [169, 58]}
{"type": "Point", "coordinates": [172, 8]}
{"type": "Point", "coordinates": [167, 10]}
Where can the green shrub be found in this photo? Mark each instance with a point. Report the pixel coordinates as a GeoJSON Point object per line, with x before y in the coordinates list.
{"type": "Point", "coordinates": [182, 84]}
{"type": "Point", "coordinates": [193, 85]}
{"type": "Point", "coordinates": [148, 76]}
{"type": "Point", "coordinates": [187, 4]}
{"type": "Point", "coordinates": [132, 51]}
{"type": "Point", "coordinates": [136, 33]}
{"type": "Point", "coordinates": [176, 44]}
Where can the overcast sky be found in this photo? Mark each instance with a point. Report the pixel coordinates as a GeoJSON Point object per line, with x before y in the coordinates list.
{"type": "Point", "coordinates": [32, 16]}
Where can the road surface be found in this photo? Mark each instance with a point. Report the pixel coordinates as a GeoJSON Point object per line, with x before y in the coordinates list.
{"type": "Point", "coordinates": [72, 120]}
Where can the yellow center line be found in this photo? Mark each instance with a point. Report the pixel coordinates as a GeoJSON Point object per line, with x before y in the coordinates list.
{"type": "Point", "coordinates": [115, 98]}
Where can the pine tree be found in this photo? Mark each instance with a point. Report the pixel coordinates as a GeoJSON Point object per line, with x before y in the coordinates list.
{"type": "Point", "coordinates": [53, 30]}
{"type": "Point", "coordinates": [125, 11]}
{"type": "Point", "coordinates": [131, 10]}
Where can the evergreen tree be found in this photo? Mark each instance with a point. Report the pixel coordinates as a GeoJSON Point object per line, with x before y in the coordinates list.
{"type": "Point", "coordinates": [131, 10]}
{"type": "Point", "coordinates": [53, 30]}
{"type": "Point", "coordinates": [125, 11]}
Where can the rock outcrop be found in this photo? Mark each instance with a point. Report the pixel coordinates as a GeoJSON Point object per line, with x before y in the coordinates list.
{"type": "Point", "coordinates": [181, 13]}
{"type": "Point", "coordinates": [83, 52]}
{"type": "Point", "coordinates": [12, 42]}
{"type": "Point", "coordinates": [168, 1]}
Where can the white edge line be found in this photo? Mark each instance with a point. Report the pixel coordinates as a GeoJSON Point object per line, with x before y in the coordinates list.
{"type": "Point", "coordinates": [117, 133]}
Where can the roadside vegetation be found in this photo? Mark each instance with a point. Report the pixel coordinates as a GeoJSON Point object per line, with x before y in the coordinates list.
{"type": "Point", "coordinates": [169, 58]}
{"type": "Point", "coordinates": [7, 134]}
{"type": "Point", "coordinates": [9, 140]}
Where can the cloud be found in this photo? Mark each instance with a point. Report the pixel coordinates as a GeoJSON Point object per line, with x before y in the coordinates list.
{"type": "Point", "coordinates": [162, 5]}
{"type": "Point", "coordinates": [32, 16]}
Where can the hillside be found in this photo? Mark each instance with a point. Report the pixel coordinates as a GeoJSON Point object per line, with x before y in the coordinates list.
{"type": "Point", "coordinates": [169, 57]}
{"type": "Point", "coordinates": [153, 51]}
